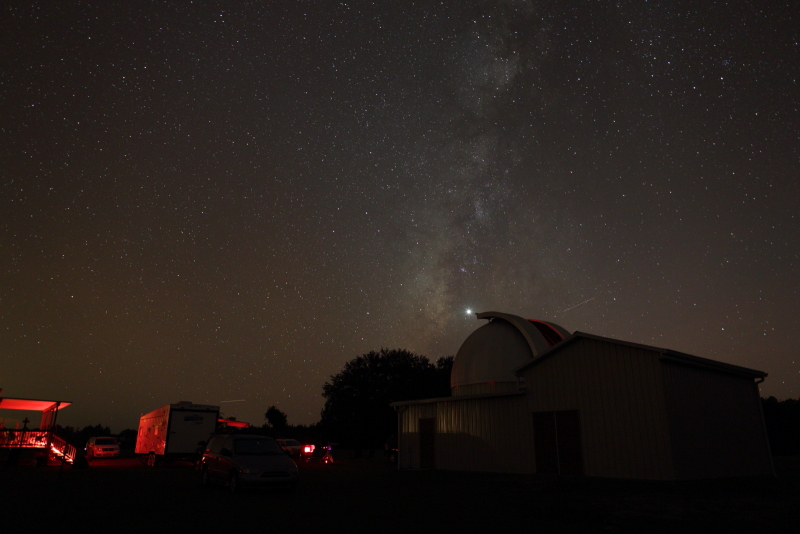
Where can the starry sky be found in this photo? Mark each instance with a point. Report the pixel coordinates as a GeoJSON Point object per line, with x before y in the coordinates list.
{"type": "Point", "coordinates": [224, 202]}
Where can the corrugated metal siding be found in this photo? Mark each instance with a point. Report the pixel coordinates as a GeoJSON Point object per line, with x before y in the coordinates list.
{"type": "Point", "coordinates": [484, 435]}
{"type": "Point", "coordinates": [716, 423]}
{"type": "Point", "coordinates": [408, 440]}
{"type": "Point", "coordinates": [486, 388]}
{"type": "Point", "coordinates": [472, 435]}
{"type": "Point", "coordinates": [618, 392]}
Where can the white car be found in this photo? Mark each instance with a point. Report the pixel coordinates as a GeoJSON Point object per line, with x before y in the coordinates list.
{"type": "Point", "coordinates": [247, 460]}
{"type": "Point", "coordinates": [102, 447]}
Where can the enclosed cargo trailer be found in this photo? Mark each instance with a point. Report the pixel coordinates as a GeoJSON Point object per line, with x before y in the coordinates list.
{"type": "Point", "coordinates": [173, 431]}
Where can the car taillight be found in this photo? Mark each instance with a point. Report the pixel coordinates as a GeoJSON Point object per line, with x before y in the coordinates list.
{"type": "Point", "coordinates": [308, 449]}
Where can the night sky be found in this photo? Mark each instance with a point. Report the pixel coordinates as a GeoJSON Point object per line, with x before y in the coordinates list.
{"type": "Point", "coordinates": [226, 201]}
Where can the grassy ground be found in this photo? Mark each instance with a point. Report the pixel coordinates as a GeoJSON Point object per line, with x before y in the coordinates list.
{"type": "Point", "coordinates": [370, 495]}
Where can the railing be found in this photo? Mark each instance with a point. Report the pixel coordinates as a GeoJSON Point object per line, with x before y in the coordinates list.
{"type": "Point", "coordinates": [62, 449]}
{"type": "Point", "coordinates": [23, 439]}
{"type": "Point", "coordinates": [37, 439]}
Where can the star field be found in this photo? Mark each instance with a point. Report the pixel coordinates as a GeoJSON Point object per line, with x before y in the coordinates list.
{"type": "Point", "coordinates": [216, 200]}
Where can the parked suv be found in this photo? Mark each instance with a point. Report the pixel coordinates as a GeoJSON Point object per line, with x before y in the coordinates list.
{"type": "Point", "coordinates": [246, 460]}
{"type": "Point", "coordinates": [103, 447]}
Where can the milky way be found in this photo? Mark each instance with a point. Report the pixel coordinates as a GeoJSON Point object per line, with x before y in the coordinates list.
{"type": "Point", "coordinates": [224, 201]}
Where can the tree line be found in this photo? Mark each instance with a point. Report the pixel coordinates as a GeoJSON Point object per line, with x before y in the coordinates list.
{"type": "Point", "coordinates": [358, 414]}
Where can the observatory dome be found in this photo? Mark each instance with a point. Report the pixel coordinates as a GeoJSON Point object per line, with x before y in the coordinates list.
{"type": "Point", "coordinates": [486, 361]}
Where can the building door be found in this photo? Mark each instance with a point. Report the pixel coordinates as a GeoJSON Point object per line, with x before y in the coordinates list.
{"type": "Point", "coordinates": [545, 442]}
{"type": "Point", "coordinates": [427, 434]}
{"type": "Point", "coordinates": [557, 439]}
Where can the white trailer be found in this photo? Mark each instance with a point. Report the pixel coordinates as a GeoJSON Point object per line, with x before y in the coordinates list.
{"type": "Point", "coordinates": [173, 431]}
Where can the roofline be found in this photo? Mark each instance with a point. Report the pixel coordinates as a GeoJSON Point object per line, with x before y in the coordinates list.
{"type": "Point", "coordinates": [54, 404]}
{"type": "Point", "coordinates": [38, 400]}
{"type": "Point", "coordinates": [697, 361]}
{"type": "Point", "coordinates": [457, 398]}
{"type": "Point", "coordinates": [664, 354]}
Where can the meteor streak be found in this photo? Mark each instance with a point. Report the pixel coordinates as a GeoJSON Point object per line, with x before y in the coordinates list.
{"type": "Point", "coordinates": [579, 304]}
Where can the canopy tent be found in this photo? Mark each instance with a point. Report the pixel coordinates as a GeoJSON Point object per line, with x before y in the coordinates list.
{"type": "Point", "coordinates": [49, 408]}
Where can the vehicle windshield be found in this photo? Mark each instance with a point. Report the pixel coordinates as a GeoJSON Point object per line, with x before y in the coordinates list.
{"type": "Point", "coordinates": [292, 442]}
{"type": "Point", "coordinates": [105, 441]}
{"type": "Point", "coordinates": [256, 446]}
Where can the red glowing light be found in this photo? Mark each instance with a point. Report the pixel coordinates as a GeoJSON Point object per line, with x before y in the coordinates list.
{"type": "Point", "coordinates": [233, 423]}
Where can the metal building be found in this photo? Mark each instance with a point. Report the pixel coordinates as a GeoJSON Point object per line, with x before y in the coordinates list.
{"type": "Point", "coordinates": [528, 397]}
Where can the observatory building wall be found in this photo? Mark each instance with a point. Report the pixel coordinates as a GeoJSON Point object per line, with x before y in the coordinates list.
{"type": "Point", "coordinates": [617, 391]}
{"type": "Point", "coordinates": [472, 433]}
{"type": "Point", "coordinates": [586, 405]}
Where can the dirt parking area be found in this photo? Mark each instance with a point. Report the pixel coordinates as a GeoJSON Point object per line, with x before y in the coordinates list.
{"type": "Point", "coordinates": [122, 495]}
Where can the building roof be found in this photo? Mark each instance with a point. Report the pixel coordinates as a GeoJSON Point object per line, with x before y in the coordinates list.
{"type": "Point", "coordinates": [31, 404]}
{"type": "Point", "coordinates": [457, 398]}
{"type": "Point", "coordinates": [665, 354]}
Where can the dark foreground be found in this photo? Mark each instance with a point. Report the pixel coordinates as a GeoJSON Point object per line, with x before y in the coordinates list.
{"type": "Point", "coordinates": [371, 496]}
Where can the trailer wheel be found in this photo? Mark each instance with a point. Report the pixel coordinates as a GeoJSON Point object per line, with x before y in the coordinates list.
{"type": "Point", "coordinates": [151, 459]}
{"type": "Point", "coordinates": [233, 483]}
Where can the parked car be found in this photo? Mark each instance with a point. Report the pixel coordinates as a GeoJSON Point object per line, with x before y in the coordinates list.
{"type": "Point", "coordinates": [246, 460]}
{"type": "Point", "coordinates": [291, 447]}
{"type": "Point", "coordinates": [102, 447]}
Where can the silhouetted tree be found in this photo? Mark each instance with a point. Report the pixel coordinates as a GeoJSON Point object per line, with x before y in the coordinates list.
{"type": "Point", "coordinates": [357, 410]}
{"type": "Point", "coordinates": [276, 419]}
{"type": "Point", "coordinates": [127, 438]}
{"type": "Point", "coordinates": [782, 419]}
{"type": "Point", "coordinates": [444, 366]}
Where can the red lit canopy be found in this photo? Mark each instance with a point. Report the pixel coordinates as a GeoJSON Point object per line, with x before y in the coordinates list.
{"type": "Point", "coordinates": [32, 404]}
{"type": "Point", "coordinates": [49, 408]}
